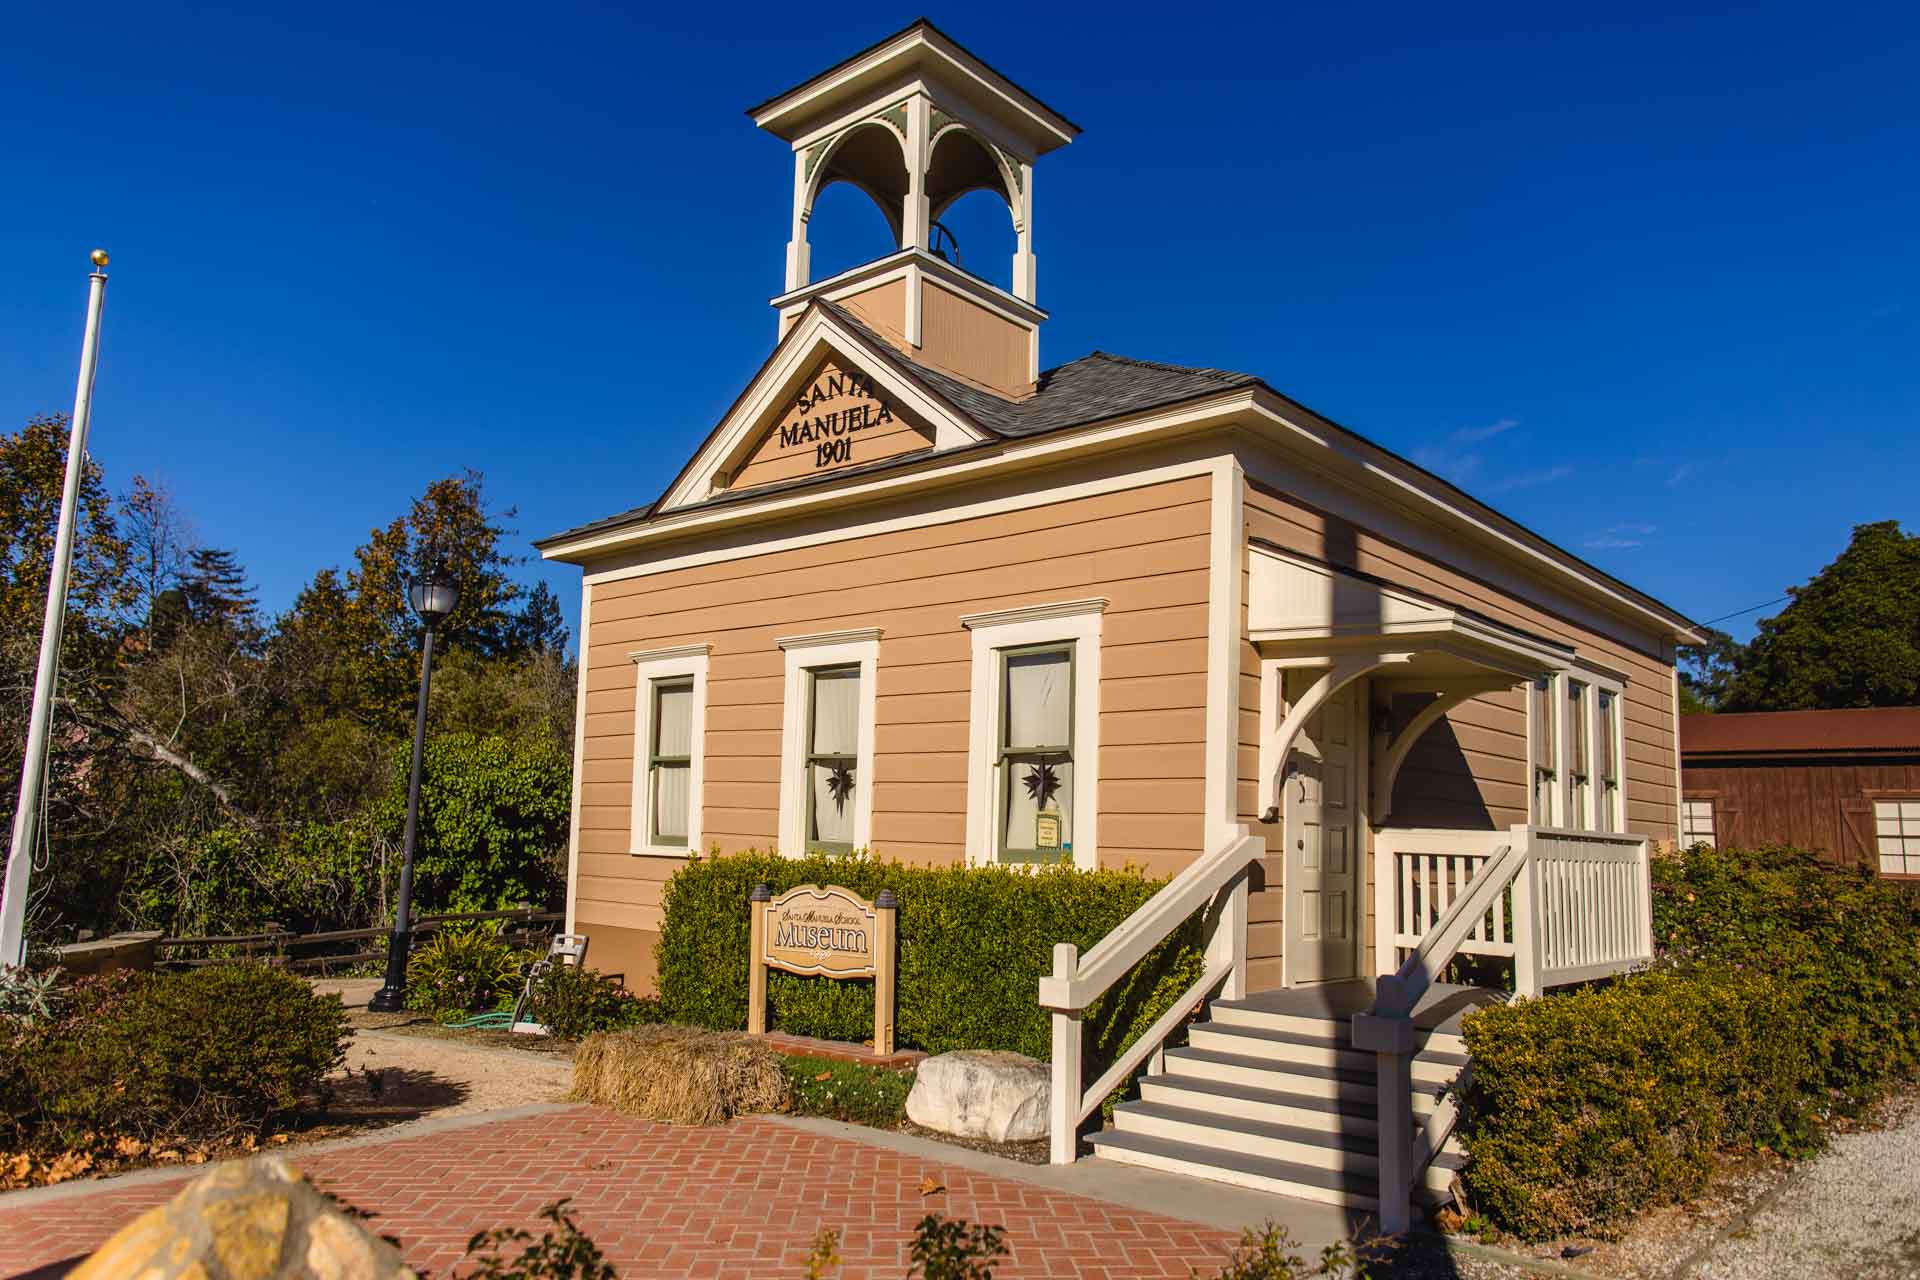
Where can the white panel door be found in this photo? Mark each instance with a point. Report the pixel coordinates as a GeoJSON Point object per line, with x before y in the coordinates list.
{"type": "Point", "coordinates": [1321, 830]}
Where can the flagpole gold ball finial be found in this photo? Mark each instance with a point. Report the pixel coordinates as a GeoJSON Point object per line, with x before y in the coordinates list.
{"type": "Point", "coordinates": [99, 257]}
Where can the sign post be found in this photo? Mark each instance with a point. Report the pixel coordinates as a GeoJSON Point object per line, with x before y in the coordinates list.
{"type": "Point", "coordinates": [827, 932]}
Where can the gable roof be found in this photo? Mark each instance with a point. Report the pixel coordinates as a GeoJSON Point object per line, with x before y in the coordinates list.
{"type": "Point", "coordinates": [1777, 733]}
{"type": "Point", "coordinates": [1091, 389]}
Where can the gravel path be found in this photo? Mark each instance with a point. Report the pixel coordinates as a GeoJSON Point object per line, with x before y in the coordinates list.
{"type": "Point", "coordinates": [1853, 1212]}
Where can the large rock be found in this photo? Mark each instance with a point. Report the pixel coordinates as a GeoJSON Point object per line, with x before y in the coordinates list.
{"type": "Point", "coordinates": [982, 1093]}
{"type": "Point", "coordinates": [248, 1220]}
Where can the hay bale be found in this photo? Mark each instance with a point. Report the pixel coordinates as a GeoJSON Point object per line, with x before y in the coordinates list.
{"type": "Point", "coordinates": [682, 1075]}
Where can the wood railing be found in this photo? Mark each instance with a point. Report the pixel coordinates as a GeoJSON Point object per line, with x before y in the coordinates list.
{"type": "Point", "coordinates": [275, 946]}
{"type": "Point", "coordinates": [1568, 906]}
{"type": "Point", "coordinates": [1216, 884]}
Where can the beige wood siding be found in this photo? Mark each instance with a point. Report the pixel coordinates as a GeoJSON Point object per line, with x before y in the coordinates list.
{"type": "Point", "coordinates": [961, 337]}
{"type": "Point", "coordinates": [1144, 548]}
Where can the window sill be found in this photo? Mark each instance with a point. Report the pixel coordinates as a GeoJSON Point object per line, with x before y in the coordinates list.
{"type": "Point", "coordinates": [662, 851]}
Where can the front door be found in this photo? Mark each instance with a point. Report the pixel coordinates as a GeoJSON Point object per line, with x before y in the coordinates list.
{"type": "Point", "coordinates": [1320, 830]}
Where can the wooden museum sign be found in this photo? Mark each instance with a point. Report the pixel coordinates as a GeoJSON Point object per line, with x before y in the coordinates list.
{"type": "Point", "coordinates": [824, 932]}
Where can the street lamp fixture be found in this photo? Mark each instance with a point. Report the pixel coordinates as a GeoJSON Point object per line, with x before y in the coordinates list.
{"type": "Point", "coordinates": [434, 595]}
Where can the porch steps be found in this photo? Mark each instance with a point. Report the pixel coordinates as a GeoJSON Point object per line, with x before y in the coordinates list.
{"type": "Point", "coordinates": [1269, 1094]}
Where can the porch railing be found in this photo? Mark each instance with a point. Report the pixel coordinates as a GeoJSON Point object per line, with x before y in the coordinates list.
{"type": "Point", "coordinates": [1568, 906]}
{"type": "Point", "coordinates": [1217, 883]}
{"type": "Point", "coordinates": [1581, 910]}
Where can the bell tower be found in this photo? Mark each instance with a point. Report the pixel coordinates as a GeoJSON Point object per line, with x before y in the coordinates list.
{"type": "Point", "coordinates": [916, 122]}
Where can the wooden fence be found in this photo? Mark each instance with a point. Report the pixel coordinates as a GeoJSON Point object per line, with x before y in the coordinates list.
{"type": "Point", "coordinates": [522, 925]}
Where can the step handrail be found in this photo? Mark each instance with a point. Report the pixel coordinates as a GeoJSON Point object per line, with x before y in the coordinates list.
{"type": "Point", "coordinates": [1396, 994]}
{"type": "Point", "coordinates": [1217, 882]}
{"type": "Point", "coordinates": [1113, 957]}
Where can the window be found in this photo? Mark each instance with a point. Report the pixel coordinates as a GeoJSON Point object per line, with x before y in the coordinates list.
{"type": "Point", "coordinates": [1574, 732]}
{"type": "Point", "coordinates": [1611, 815]}
{"type": "Point", "coordinates": [1546, 736]}
{"type": "Point", "coordinates": [1579, 782]}
{"type": "Point", "coordinates": [670, 762]}
{"type": "Point", "coordinates": [1696, 823]}
{"type": "Point", "coordinates": [669, 735]}
{"type": "Point", "coordinates": [833, 763]}
{"type": "Point", "coordinates": [826, 742]}
{"type": "Point", "coordinates": [1033, 763]}
{"type": "Point", "coordinates": [1896, 825]}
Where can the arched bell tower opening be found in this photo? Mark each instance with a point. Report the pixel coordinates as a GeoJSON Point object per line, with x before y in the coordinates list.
{"type": "Point", "coordinates": [971, 196]}
{"type": "Point", "coordinates": [920, 125]}
{"type": "Point", "coordinates": [865, 165]}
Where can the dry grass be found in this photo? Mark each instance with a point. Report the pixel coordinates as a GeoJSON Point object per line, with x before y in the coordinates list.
{"type": "Point", "coordinates": [681, 1075]}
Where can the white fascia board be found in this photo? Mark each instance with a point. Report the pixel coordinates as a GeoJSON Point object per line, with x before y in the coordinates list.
{"type": "Point", "coordinates": [936, 472]}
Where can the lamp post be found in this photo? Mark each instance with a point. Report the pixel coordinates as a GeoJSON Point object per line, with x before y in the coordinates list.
{"type": "Point", "coordinates": [434, 595]}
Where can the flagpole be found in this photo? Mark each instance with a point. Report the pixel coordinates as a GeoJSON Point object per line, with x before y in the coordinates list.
{"type": "Point", "coordinates": [13, 906]}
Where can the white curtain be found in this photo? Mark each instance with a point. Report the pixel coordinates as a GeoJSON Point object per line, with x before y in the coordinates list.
{"type": "Point", "coordinates": [836, 712]}
{"type": "Point", "coordinates": [836, 732]}
{"type": "Point", "coordinates": [673, 721]}
{"type": "Point", "coordinates": [1039, 710]}
{"type": "Point", "coordinates": [672, 736]}
{"type": "Point", "coordinates": [1039, 689]}
{"type": "Point", "coordinates": [670, 801]}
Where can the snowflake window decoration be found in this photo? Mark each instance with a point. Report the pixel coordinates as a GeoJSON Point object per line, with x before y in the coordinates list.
{"type": "Point", "coordinates": [840, 786]}
{"type": "Point", "coordinates": [1042, 783]}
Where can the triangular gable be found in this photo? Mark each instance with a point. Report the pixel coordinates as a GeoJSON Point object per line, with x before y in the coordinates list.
{"type": "Point", "coordinates": [825, 400]}
{"type": "Point", "coordinates": [838, 419]}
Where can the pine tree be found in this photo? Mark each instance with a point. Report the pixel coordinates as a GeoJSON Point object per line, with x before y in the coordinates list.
{"type": "Point", "coordinates": [215, 588]}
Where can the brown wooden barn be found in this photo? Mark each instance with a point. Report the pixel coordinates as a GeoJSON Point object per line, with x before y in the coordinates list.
{"type": "Point", "coordinates": [1843, 782]}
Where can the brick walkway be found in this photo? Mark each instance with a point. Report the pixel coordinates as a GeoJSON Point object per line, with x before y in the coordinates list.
{"type": "Point", "coordinates": [744, 1200]}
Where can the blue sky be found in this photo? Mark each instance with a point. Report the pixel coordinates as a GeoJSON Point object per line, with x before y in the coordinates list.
{"type": "Point", "coordinates": [1641, 276]}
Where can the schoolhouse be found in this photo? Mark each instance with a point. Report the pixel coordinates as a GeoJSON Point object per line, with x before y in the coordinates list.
{"type": "Point", "coordinates": [920, 593]}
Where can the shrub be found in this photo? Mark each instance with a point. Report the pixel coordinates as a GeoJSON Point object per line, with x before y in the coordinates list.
{"type": "Point", "coordinates": [1848, 941]}
{"type": "Point", "coordinates": [1269, 1254]}
{"type": "Point", "coordinates": [563, 1252]}
{"type": "Point", "coordinates": [493, 820]}
{"type": "Point", "coordinates": [679, 1074]}
{"type": "Point", "coordinates": [464, 970]}
{"type": "Point", "coordinates": [1583, 1108]}
{"type": "Point", "coordinates": [207, 1055]}
{"type": "Point", "coordinates": [973, 945]}
{"type": "Point", "coordinates": [847, 1090]}
{"type": "Point", "coordinates": [572, 1003]}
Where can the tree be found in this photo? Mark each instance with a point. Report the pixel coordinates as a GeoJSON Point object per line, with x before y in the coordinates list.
{"type": "Point", "coordinates": [1707, 669]}
{"type": "Point", "coordinates": [214, 589]}
{"type": "Point", "coordinates": [1848, 638]}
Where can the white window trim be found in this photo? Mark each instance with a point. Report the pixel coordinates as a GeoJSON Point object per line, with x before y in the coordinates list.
{"type": "Point", "coordinates": [804, 653]}
{"type": "Point", "coordinates": [1595, 680]}
{"type": "Point", "coordinates": [1690, 838]}
{"type": "Point", "coordinates": [666, 664]}
{"type": "Point", "coordinates": [1078, 621]}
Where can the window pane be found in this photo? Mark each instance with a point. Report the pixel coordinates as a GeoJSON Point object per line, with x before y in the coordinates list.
{"type": "Point", "coordinates": [1543, 727]}
{"type": "Point", "coordinates": [1039, 697]}
{"type": "Point", "coordinates": [833, 798]}
{"type": "Point", "coordinates": [1577, 726]}
{"type": "Point", "coordinates": [836, 712]}
{"type": "Point", "coordinates": [670, 803]}
{"type": "Point", "coordinates": [1027, 784]}
{"type": "Point", "coordinates": [673, 719]}
{"type": "Point", "coordinates": [1609, 764]}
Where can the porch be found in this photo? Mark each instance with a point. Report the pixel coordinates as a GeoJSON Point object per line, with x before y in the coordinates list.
{"type": "Point", "coordinates": [1340, 1085]}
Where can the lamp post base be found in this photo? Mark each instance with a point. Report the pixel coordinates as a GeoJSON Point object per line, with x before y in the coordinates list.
{"type": "Point", "coordinates": [392, 995]}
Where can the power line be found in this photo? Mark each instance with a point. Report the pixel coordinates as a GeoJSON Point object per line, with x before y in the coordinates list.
{"type": "Point", "coordinates": [1750, 609]}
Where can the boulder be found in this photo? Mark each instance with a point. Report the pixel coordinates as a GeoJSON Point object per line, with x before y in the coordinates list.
{"type": "Point", "coordinates": [253, 1219]}
{"type": "Point", "coordinates": [982, 1093]}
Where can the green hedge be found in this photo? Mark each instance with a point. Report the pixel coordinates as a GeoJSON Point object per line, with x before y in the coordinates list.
{"type": "Point", "coordinates": [1587, 1107]}
{"type": "Point", "coordinates": [1848, 940]}
{"type": "Point", "coordinates": [1786, 988]}
{"type": "Point", "coordinates": [974, 943]}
